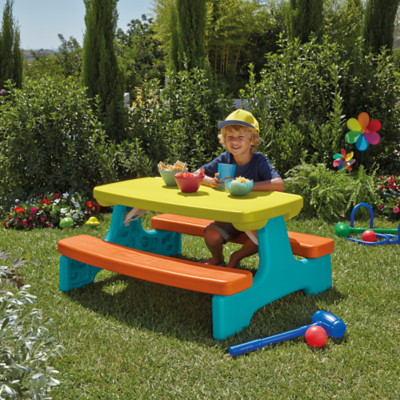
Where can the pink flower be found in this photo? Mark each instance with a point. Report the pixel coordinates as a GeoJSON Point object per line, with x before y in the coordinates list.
{"type": "Point", "coordinates": [17, 219]}
{"type": "Point", "coordinates": [382, 206]}
{"type": "Point", "coordinates": [396, 210]}
{"type": "Point", "coordinates": [24, 222]}
{"type": "Point", "coordinates": [31, 226]}
{"type": "Point", "coordinates": [48, 225]}
{"type": "Point", "coordinates": [34, 210]}
{"type": "Point", "coordinates": [30, 218]}
{"type": "Point", "coordinates": [42, 219]}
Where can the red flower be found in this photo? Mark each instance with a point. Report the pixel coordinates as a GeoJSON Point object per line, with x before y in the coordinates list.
{"type": "Point", "coordinates": [5, 224]}
{"type": "Point", "coordinates": [45, 201]}
{"type": "Point", "coordinates": [390, 180]}
{"type": "Point", "coordinates": [56, 196]}
{"type": "Point", "coordinates": [391, 176]}
{"type": "Point", "coordinates": [382, 206]}
{"type": "Point", "coordinates": [10, 216]}
{"type": "Point", "coordinates": [382, 187]}
{"type": "Point", "coordinates": [18, 210]}
{"type": "Point", "coordinates": [381, 177]}
{"type": "Point", "coordinates": [90, 205]}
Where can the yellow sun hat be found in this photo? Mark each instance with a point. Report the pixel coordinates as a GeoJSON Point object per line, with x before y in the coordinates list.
{"type": "Point", "coordinates": [240, 117]}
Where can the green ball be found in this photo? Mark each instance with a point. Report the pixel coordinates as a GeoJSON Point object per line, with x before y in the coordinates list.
{"type": "Point", "coordinates": [342, 230]}
{"type": "Point", "coordinates": [67, 223]}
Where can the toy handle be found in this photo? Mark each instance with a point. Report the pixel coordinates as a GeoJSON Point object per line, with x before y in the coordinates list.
{"type": "Point", "coordinates": [259, 343]}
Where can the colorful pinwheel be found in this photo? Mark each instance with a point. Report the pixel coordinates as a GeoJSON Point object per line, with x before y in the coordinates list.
{"type": "Point", "coordinates": [363, 131]}
{"type": "Point", "coordinates": [344, 160]}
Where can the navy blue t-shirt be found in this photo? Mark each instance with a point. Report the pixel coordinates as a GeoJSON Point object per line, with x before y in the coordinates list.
{"type": "Point", "coordinates": [258, 169]}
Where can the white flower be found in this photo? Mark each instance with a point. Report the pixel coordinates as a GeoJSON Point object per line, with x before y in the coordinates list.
{"type": "Point", "coordinates": [65, 195]}
{"type": "Point", "coordinates": [56, 201]}
{"type": "Point", "coordinates": [63, 211]}
{"type": "Point", "coordinates": [16, 201]}
{"type": "Point", "coordinates": [76, 205]}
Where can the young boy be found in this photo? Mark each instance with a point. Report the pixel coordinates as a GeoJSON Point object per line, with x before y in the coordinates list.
{"type": "Point", "coordinates": [240, 136]}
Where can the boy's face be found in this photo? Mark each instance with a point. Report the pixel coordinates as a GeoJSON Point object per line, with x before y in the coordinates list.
{"type": "Point", "coordinates": [238, 142]}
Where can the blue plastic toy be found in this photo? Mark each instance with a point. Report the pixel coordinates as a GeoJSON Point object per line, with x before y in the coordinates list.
{"type": "Point", "coordinates": [333, 326]}
{"type": "Point", "coordinates": [387, 238]}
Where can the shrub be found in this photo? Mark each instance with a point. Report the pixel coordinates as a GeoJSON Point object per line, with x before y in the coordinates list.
{"type": "Point", "coordinates": [48, 138]}
{"type": "Point", "coordinates": [308, 91]}
{"type": "Point", "coordinates": [328, 194]}
{"type": "Point", "coordinates": [180, 121]}
{"type": "Point", "coordinates": [389, 196]}
{"type": "Point", "coordinates": [25, 347]}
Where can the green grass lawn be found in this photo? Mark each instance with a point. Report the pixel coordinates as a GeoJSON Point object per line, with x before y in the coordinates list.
{"type": "Point", "coordinates": [130, 339]}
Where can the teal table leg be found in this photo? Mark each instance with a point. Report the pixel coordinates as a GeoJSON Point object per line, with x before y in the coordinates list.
{"type": "Point", "coordinates": [278, 275]}
{"type": "Point", "coordinates": [134, 236]}
{"type": "Point", "coordinates": [74, 274]}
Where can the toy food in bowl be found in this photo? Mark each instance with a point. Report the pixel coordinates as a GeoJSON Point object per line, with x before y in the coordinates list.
{"type": "Point", "coordinates": [239, 186]}
{"type": "Point", "coordinates": [167, 172]}
{"type": "Point", "coordinates": [189, 182]}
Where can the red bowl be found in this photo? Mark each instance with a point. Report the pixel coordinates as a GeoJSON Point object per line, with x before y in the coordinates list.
{"type": "Point", "coordinates": [189, 184]}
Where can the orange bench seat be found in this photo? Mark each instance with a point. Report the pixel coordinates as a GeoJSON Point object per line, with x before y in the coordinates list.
{"type": "Point", "coordinates": [302, 244]}
{"type": "Point", "coordinates": [155, 268]}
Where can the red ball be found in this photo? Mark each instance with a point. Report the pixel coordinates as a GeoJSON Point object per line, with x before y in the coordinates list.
{"type": "Point", "coordinates": [316, 336]}
{"type": "Point", "coordinates": [368, 236]}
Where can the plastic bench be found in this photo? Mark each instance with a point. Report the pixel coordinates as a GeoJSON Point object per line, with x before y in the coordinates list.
{"type": "Point", "coordinates": [84, 256]}
{"type": "Point", "coordinates": [308, 246]}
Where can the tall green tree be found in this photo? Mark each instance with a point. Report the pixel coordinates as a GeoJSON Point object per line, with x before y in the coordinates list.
{"type": "Point", "coordinates": [10, 51]}
{"type": "Point", "coordinates": [174, 43]}
{"type": "Point", "coordinates": [192, 16]}
{"type": "Point", "coordinates": [69, 56]}
{"type": "Point", "coordinates": [100, 72]}
{"type": "Point", "coordinates": [304, 17]}
{"type": "Point", "coordinates": [378, 29]}
{"type": "Point", "coordinates": [139, 54]}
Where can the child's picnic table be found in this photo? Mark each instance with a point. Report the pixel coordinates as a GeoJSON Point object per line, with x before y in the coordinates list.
{"type": "Point", "coordinates": [146, 254]}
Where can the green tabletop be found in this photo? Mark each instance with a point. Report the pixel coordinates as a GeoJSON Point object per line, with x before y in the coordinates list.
{"type": "Point", "coordinates": [247, 213]}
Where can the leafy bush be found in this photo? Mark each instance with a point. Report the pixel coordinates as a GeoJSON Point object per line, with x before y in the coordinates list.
{"type": "Point", "coordinates": [180, 121]}
{"type": "Point", "coordinates": [47, 211]}
{"type": "Point", "coordinates": [308, 91]}
{"type": "Point", "coordinates": [389, 196]}
{"type": "Point", "coordinates": [328, 194]}
{"type": "Point", "coordinates": [48, 138]}
{"type": "Point", "coordinates": [25, 347]}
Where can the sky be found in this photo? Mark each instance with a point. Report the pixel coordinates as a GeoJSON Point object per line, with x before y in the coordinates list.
{"type": "Point", "coordinates": [41, 21]}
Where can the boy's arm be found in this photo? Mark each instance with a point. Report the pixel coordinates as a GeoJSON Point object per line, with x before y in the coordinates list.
{"type": "Point", "coordinates": [275, 184]}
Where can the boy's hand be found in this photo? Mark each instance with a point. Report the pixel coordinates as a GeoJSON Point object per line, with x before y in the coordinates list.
{"type": "Point", "coordinates": [215, 182]}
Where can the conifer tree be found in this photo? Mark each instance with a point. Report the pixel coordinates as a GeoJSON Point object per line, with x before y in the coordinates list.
{"type": "Point", "coordinates": [10, 53]}
{"type": "Point", "coordinates": [304, 17]}
{"type": "Point", "coordinates": [192, 15]}
{"type": "Point", "coordinates": [18, 59]}
{"type": "Point", "coordinates": [100, 72]}
{"type": "Point", "coordinates": [174, 43]}
{"type": "Point", "coordinates": [378, 26]}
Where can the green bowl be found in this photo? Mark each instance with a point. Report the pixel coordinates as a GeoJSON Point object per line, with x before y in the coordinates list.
{"type": "Point", "coordinates": [168, 176]}
{"type": "Point", "coordinates": [239, 189]}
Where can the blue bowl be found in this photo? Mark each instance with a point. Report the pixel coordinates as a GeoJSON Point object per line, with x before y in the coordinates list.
{"type": "Point", "coordinates": [239, 189]}
{"type": "Point", "coordinates": [168, 176]}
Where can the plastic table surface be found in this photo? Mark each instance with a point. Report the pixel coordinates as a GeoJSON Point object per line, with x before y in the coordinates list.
{"type": "Point", "coordinates": [250, 212]}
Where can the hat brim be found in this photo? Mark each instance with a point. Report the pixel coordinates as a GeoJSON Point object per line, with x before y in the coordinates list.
{"type": "Point", "coordinates": [222, 124]}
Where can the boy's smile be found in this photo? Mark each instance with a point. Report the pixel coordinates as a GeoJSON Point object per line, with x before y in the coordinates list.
{"type": "Point", "coordinates": [239, 144]}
